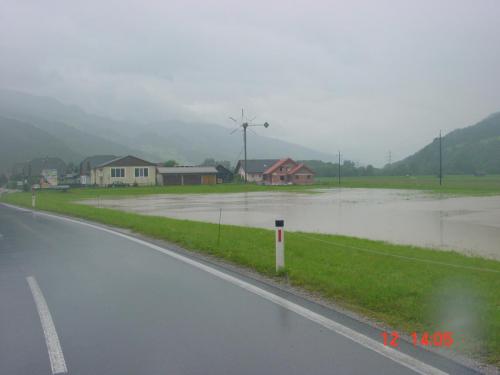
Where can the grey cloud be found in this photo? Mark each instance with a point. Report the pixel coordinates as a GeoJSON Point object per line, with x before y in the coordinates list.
{"type": "Point", "coordinates": [361, 76]}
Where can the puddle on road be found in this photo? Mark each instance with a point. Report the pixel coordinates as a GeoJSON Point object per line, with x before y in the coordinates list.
{"type": "Point", "coordinates": [467, 224]}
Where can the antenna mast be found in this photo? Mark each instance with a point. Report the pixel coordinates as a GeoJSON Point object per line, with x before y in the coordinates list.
{"type": "Point", "coordinates": [244, 125]}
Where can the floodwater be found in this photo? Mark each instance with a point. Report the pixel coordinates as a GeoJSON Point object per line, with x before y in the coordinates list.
{"type": "Point", "coordinates": [467, 224]}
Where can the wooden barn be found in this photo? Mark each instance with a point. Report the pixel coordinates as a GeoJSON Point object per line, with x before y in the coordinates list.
{"type": "Point", "coordinates": [186, 175]}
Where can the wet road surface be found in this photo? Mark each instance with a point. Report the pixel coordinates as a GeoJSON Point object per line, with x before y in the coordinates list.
{"type": "Point", "coordinates": [122, 307]}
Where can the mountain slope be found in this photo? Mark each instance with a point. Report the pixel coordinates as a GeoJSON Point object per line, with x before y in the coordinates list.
{"type": "Point", "coordinates": [185, 142]}
{"type": "Point", "coordinates": [474, 149]}
{"type": "Point", "coordinates": [83, 142]}
{"type": "Point", "coordinates": [194, 142]}
{"type": "Point", "coordinates": [78, 130]}
{"type": "Point", "coordinates": [20, 141]}
{"type": "Point", "coordinates": [31, 108]}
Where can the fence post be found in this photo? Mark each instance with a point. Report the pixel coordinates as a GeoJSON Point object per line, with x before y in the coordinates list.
{"type": "Point", "coordinates": [220, 218]}
{"type": "Point", "coordinates": [33, 198]}
{"type": "Point", "coordinates": [280, 244]}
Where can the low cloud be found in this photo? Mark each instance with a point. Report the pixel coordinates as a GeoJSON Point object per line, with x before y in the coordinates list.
{"type": "Point", "coordinates": [361, 77]}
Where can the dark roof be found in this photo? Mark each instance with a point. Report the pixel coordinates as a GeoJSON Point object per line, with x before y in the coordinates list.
{"type": "Point", "coordinates": [221, 169]}
{"type": "Point", "coordinates": [126, 161]}
{"type": "Point", "coordinates": [94, 161]}
{"type": "Point", "coordinates": [257, 165]}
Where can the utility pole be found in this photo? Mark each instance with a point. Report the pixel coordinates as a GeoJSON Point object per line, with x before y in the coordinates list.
{"type": "Point", "coordinates": [339, 168]}
{"type": "Point", "coordinates": [244, 125]}
{"type": "Point", "coordinates": [28, 181]}
{"type": "Point", "coordinates": [440, 159]}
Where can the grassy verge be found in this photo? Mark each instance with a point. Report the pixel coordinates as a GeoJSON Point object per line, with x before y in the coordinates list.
{"type": "Point", "coordinates": [409, 288]}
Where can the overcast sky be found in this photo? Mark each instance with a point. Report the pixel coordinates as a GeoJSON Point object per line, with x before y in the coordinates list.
{"type": "Point", "coordinates": [364, 77]}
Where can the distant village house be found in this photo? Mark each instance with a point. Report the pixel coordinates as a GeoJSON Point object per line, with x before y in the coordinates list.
{"type": "Point", "coordinates": [275, 172]}
{"type": "Point", "coordinates": [127, 170]}
{"type": "Point", "coordinates": [224, 175]}
{"type": "Point", "coordinates": [90, 163]}
{"type": "Point", "coordinates": [48, 178]}
{"type": "Point", "coordinates": [255, 169]}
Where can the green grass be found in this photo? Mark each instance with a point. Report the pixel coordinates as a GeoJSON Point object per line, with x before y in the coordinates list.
{"type": "Point", "coordinates": [93, 192]}
{"type": "Point", "coordinates": [455, 185]}
{"type": "Point", "coordinates": [432, 291]}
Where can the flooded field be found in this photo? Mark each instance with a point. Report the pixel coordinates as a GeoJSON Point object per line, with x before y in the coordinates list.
{"type": "Point", "coordinates": [468, 224]}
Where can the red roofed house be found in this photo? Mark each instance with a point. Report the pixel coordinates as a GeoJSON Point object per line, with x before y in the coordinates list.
{"type": "Point", "coordinates": [288, 171]}
{"type": "Point", "coordinates": [276, 172]}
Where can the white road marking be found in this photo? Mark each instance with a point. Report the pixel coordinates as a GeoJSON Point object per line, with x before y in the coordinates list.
{"type": "Point", "coordinates": [56, 356]}
{"type": "Point", "coordinates": [17, 208]}
{"type": "Point", "coordinates": [376, 346]}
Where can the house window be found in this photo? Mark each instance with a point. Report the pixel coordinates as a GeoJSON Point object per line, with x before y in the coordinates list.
{"type": "Point", "coordinates": [117, 172]}
{"type": "Point", "coordinates": [141, 172]}
{"type": "Point", "coordinates": [296, 176]}
{"type": "Point", "coordinates": [282, 178]}
{"type": "Point", "coordinates": [308, 176]}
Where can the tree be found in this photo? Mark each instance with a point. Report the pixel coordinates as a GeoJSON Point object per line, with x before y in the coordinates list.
{"type": "Point", "coordinates": [209, 162]}
{"type": "Point", "coordinates": [225, 164]}
{"type": "Point", "coordinates": [71, 168]}
{"type": "Point", "coordinates": [370, 170]}
{"type": "Point", "coordinates": [170, 163]}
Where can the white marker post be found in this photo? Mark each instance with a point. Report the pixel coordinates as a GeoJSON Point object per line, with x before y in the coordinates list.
{"type": "Point", "coordinates": [33, 198]}
{"type": "Point", "coordinates": [280, 244]}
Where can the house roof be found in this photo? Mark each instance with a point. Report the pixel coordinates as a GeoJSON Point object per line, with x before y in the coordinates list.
{"type": "Point", "coordinates": [187, 170]}
{"type": "Point", "coordinates": [221, 169]}
{"type": "Point", "coordinates": [298, 167]}
{"type": "Point", "coordinates": [94, 161]}
{"type": "Point", "coordinates": [126, 161]}
{"type": "Point", "coordinates": [257, 165]}
{"type": "Point", "coordinates": [272, 168]}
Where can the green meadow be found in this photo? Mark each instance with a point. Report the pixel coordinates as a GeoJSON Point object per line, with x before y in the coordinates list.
{"type": "Point", "coordinates": [454, 185]}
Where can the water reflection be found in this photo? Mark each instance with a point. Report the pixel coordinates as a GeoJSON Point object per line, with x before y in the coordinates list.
{"type": "Point", "coordinates": [467, 224]}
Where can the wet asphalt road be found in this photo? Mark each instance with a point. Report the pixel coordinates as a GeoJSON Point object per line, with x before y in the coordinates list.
{"type": "Point", "coordinates": [120, 307]}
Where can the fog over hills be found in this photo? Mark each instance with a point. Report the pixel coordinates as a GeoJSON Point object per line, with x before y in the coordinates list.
{"type": "Point", "coordinates": [20, 141]}
{"type": "Point", "coordinates": [87, 134]}
{"type": "Point", "coordinates": [34, 126]}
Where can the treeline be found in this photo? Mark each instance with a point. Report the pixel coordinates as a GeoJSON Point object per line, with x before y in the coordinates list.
{"type": "Point", "coordinates": [347, 168]}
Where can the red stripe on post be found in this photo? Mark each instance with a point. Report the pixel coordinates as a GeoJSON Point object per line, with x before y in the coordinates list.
{"type": "Point", "coordinates": [279, 235]}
